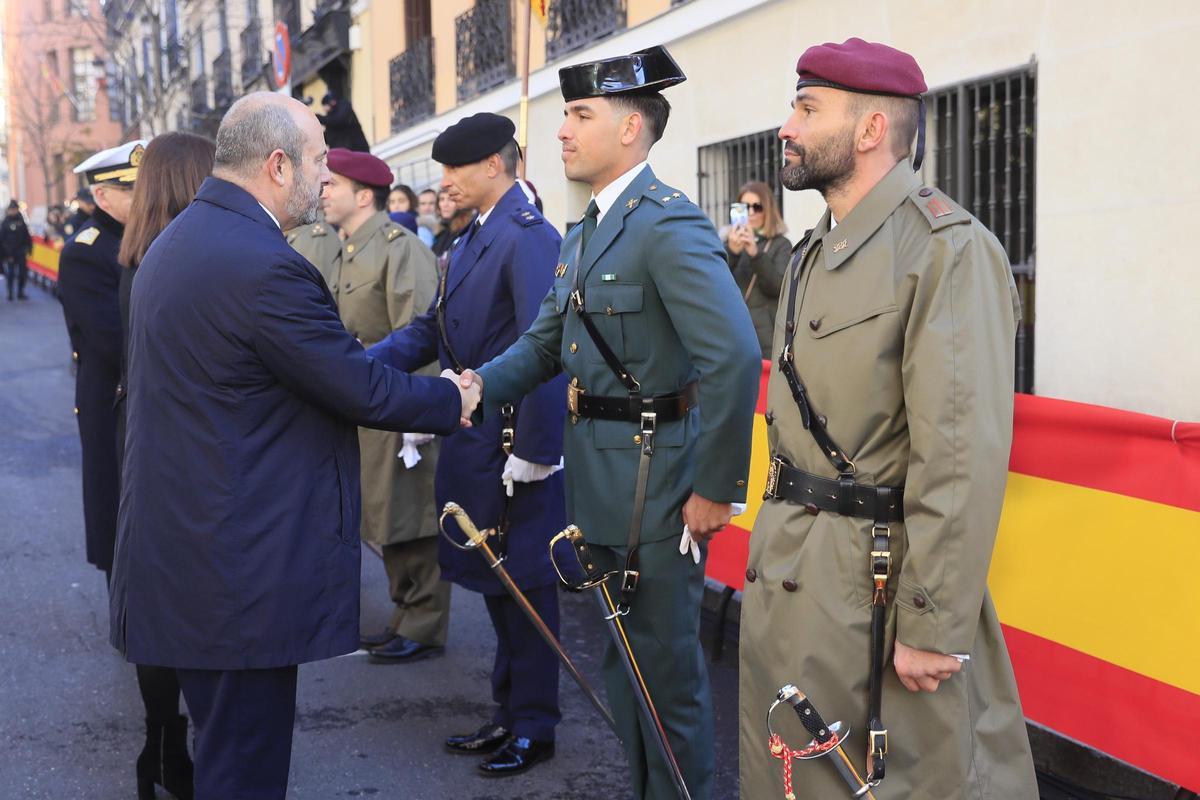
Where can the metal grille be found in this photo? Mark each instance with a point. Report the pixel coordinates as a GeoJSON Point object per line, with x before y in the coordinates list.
{"type": "Point", "coordinates": [411, 84]}
{"type": "Point", "coordinates": [981, 151]}
{"type": "Point", "coordinates": [724, 166]}
{"type": "Point", "coordinates": [484, 47]}
{"type": "Point", "coordinates": [572, 24]}
{"type": "Point", "coordinates": [252, 52]}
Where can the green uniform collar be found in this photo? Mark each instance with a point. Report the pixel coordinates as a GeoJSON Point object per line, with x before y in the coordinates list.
{"type": "Point", "coordinates": [866, 217]}
{"type": "Point", "coordinates": [354, 245]}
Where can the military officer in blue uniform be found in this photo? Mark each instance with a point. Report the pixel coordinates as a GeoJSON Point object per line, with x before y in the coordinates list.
{"type": "Point", "coordinates": [89, 278]}
{"type": "Point", "coordinates": [666, 388]}
{"type": "Point", "coordinates": [506, 472]}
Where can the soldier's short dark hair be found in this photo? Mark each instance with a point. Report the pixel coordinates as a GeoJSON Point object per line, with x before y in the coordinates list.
{"type": "Point", "coordinates": [380, 193]}
{"type": "Point", "coordinates": [902, 114]}
{"type": "Point", "coordinates": [510, 156]}
{"type": "Point", "coordinates": [652, 106]}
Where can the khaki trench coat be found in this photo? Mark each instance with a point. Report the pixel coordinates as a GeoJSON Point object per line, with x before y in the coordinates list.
{"type": "Point", "coordinates": [905, 322]}
{"type": "Point", "coordinates": [381, 277]}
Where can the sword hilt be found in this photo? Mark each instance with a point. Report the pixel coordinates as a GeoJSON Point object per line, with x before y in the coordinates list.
{"type": "Point", "coordinates": [593, 576]}
{"type": "Point", "coordinates": [810, 718]}
{"type": "Point", "coordinates": [475, 537]}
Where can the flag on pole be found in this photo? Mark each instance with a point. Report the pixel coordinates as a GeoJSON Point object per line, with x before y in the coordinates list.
{"type": "Point", "coordinates": [542, 9]}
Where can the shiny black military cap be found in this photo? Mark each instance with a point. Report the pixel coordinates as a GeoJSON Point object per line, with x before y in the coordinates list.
{"type": "Point", "coordinates": [644, 71]}
{"type": "Point", "coordinates": [472, 139]}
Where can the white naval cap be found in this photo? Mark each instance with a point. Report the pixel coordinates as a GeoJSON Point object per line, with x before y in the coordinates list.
{"type": "Point", "coordinates": [114, 165]}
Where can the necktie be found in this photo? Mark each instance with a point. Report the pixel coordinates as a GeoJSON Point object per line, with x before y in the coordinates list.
{"type": "Point", "coordinates": [589, 224]}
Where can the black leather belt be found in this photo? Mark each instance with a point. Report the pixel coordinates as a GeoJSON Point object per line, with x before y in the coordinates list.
{"type": "Point", "coordinates": [667, 408]}
{"type": "Point", "coordinates": [845, 497]}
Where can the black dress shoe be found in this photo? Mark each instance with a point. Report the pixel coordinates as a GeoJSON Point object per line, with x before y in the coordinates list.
{"type": "Point", "coordinates": [369, 640]}
{"type": "Point", "coordinates": [517, 755]}
{"type": "Point", "coordinates": [487, 739]}
{"type": "Point", "coordinates": [402, 651]}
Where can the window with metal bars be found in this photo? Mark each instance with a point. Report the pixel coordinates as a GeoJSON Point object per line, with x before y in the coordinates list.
{"type": "Point", "coordinates": [981, 151]}
{"type": "Point", "coordinates": [724, 166]}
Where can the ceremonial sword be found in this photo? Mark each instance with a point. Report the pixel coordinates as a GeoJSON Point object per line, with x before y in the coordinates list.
{"type": "Point", "coordinates": [595, 579]}
{"type": "Point", "coordinates": [827, 741]}
{"type": "Point", "coordinates": [477, 540]}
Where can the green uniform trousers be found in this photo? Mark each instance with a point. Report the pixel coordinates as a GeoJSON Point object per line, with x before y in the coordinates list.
{"type": "Point", "coordinates": [663, 627]}
{"type": "Point", "coordinates": [415, 583]}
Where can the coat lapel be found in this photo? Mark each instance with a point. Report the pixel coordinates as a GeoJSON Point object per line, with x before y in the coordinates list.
{"type": "Point", "coordinates": [614, 221]}
{"type": "Point", "coordinates": [471, 252]}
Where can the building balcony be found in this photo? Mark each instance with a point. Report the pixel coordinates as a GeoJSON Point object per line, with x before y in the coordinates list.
{"type": "Point", "coordinates": [222, 72]}
{"type": "Point", "coordinates": [327, 40]}
{"type": "Point", "coordinates": [484, 47]}
{"type": "Point", "coordinates": [253, 56]}
{"type": "Point", "coordinates": [574, 24]}
{"type": "Point", "coordinates": [410, 77]}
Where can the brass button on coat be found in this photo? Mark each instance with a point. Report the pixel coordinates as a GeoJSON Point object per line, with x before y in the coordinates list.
{"type": "Point", "coordinates": [751, 575]}
{"type": "Point", "coordinates": [574, 347]}
{"type": "Point", "coordinates": [789, 585]}
{"type": "Point", "coordinates": [637, 438]}
{"type": "Point", "coordinates": [741, 483]}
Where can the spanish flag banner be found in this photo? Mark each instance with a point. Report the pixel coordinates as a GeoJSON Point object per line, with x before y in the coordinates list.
{"type": "Point", "coordinates": [1092, 576]}
{"type": "Point", "coordinates": [541, 10]}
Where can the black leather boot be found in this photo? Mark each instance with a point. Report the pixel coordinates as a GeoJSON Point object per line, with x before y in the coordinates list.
{"type": "Point", "coordinates": [165, 761]}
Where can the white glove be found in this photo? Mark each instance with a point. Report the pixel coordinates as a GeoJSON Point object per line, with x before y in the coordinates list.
{"type": "Point", "coordinates": [686, 542]}
{"type": "Point", "coordinates": [408, 451]}
{"type": "Point", "coordinates": [519, 470]}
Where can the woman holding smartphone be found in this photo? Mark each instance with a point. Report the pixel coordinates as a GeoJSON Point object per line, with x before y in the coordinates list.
{"type": "Point", "coordinates": [758, 254]}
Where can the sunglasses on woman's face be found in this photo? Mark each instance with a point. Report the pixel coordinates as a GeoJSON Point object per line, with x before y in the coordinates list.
{"type": "Point", "coordinates": [755, 208]}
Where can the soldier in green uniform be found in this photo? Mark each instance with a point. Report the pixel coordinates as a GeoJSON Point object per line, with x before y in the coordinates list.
{"type": "Point", "coordinates": [891, 419]}
{"type": "Point", "coordinates": [320, 244]}
{"type": "Point", "coordinates": [381, 276]}
{"type": "Point", "coordinates": [647, 269]}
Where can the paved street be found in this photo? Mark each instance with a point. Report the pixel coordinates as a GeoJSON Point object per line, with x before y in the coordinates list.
{"type": "Point", "coordinates": [70, 715]}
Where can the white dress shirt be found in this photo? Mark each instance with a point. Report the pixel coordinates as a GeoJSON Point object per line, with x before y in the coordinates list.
{"type": "Point", "coordinates": [609, 194]}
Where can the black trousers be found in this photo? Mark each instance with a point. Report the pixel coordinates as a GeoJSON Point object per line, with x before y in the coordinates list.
{"type": "Point", "coordinates": [16, 272]}
{"type": "Point", "coordinates": [525, 671]}
{"type": "Point", "coordinates": [244, 720]}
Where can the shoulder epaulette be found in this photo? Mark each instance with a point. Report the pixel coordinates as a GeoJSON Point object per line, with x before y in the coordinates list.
{"type": "Point", "coordinates": [88, 236]}
{"type": "Point", "coordinates": [527, 217]}
{"type": "Point", "coordinates": [392, 232]}
{"type": "Point", "coordinates": [318, 229]}
{"type": "Point", "coordinates": [938, 209]}
{"type": "Point", "coordinates": [662, 194]}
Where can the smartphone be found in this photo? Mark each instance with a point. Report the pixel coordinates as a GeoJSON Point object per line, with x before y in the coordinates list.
{"type": "Point", "coordinates": [739, 214]}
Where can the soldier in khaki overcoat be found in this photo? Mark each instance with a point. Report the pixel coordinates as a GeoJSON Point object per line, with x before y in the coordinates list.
{"type": "Point", "coordinates": [381, 275]}
{"type": "Point", "coordinates": [895, 332]}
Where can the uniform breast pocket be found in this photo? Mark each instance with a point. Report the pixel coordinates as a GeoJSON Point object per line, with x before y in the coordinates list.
{"type": "Point", "coordinates": [869, 333]}
{"type": "Point", "coordinates": [616, 308]}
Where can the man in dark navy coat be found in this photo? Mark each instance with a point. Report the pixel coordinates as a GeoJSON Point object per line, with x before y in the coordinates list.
{"type": "Point", "coordinates": [238, 549]}
{"type": "Point", "coordinates": [88, 280]}
{"type": "Point", "coordinates": [499, 271]}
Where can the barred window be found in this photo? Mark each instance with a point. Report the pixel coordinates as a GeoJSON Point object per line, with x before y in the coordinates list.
{"type": "Point", "coordinates": [724, 166]}
{"type": "Point", "coordinates": [83, 84]}
{"type": "Point", "coordinates": [981, 151]}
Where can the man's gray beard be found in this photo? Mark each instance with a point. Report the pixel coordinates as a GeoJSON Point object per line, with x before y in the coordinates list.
{"type": "Point", "coordinates": [825, 170]}
{"type": "Point", "coordinates": [304, 205]}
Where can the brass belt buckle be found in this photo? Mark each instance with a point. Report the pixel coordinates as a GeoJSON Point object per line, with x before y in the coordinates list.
{"type": "Point", "coordinates": [772, 479]}
{"type": "Point", "coordinates": [574, 390]}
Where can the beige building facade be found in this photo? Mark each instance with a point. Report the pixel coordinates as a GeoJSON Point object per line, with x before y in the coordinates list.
{"type": "Point", "coordinates": [1050, 119]}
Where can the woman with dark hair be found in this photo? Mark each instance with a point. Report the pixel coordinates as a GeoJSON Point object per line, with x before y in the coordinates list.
{"type": "Point", "coordinates": [401, 198]}
{"type": "Point", "coordinates": [758, 256]}
{"type": "Point", "coordinates": [174, 166]}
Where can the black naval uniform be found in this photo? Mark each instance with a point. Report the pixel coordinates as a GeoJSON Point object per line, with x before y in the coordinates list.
{"type": "Point", "coordinates": [88, 281]}
{"type": "Point", "coordinates": [15, 247]}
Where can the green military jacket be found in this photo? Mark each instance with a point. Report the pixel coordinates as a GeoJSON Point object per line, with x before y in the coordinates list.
{"type": "Point", "coordinates": [905, 320]}
{"type": "Point", "coordinates": [319, 243]}
{"type": "Point", "coordinates": [658, 287]}
{"type": "Point", "coordinates": [381, 277]}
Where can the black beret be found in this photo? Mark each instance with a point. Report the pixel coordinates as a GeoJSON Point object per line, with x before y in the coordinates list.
{"type": "Point", "coordinates": [644, 71]}
{"type": "Point", "coordinates": [472, 139]}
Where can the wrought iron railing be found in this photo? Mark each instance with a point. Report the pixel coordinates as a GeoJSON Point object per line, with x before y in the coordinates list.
{"type": "Point", "coordinates": [573, 24]}
{"type": "Point", "coordinates": [252, 52]}
{"type": "Point", "coordinates": [411, 84]}
{"type": "Point", "coordinates": [483, 40]}
{"type": "Point", "coordinates": [982, 152]}
{"type": "Point", "coordinates": [222, 71]}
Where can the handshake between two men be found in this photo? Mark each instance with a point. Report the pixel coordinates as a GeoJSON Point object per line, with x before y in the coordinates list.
{"type": "Point", "coordinates": [470, 390]}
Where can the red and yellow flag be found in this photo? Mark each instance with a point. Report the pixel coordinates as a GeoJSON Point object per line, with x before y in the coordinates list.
{"type": "Point", "coordinates": [541, 10]}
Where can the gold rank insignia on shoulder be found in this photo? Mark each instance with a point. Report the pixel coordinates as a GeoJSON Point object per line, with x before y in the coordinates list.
{"type": "Point", "coordinates": [560, 270]}
{"type": "Point", "coordinates": [318, 230]}
{"type": "Point", "coordinates": [89, 236]}
{"type": "Point", "coordinates": [392, 234]}
{"type": "Point", "coordinates": [840, 246]}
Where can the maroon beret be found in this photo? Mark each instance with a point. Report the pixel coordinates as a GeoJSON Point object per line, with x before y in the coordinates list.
{"type": "Point", "coordinates": [362, 167]}
{"type": "Point", "coordinates": [858, 66]}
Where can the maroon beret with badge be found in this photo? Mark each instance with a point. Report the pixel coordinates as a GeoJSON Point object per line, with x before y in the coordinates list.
{"type": "Point", "coordinates": [858, 66]}
{"type": "Point", "coordinates": [362, 167]}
